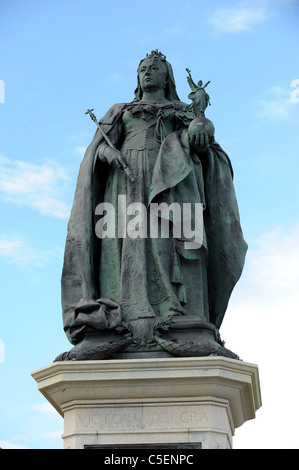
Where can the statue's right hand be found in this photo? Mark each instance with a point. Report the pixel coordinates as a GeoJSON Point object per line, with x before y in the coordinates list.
{"type": "Point", "coordinates": [113, 157]}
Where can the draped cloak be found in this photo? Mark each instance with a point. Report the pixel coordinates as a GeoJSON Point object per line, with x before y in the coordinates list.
{"type": "Point", "coordinates": [174, 175]}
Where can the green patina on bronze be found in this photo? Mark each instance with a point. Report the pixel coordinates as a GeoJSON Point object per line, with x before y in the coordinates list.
{"type": "Point", "coordinates": [147, 297]}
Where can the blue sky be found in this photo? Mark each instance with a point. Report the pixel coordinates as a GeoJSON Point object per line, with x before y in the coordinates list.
{"type": "Point", "coordinates": [60, 57]}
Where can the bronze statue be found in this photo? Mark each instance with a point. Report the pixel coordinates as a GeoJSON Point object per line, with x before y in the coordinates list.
{"type": "Point", "coordinates": [125, 291]}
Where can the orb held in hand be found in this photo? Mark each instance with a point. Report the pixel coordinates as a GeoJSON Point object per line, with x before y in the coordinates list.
{"type": "Point", "coordinates": [201, 133]}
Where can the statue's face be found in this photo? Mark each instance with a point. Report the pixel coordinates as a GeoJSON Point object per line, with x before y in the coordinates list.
{"type": "Point", "coordinates": [152, 74]}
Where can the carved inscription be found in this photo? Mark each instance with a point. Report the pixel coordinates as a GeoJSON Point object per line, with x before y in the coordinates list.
{"type": "Point", "coordinates": [111, 419]}
{"type": "Point", "coordinates": [143, 418]}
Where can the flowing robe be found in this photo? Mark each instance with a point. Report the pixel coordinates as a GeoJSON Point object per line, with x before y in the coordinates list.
{"type": "Point", "coordinates": [151, 277]}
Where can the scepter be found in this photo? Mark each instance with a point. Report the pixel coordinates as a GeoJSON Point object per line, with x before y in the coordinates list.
{"type": "Point", "coordinates": [125, 167]}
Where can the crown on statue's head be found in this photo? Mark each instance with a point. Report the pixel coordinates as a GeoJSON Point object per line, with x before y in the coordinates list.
{"type": "Point", "coordinates": [156, 55]}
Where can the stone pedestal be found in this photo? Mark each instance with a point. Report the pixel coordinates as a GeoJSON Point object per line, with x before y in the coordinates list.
{"type": "Point", "coordinates": [181, 402]}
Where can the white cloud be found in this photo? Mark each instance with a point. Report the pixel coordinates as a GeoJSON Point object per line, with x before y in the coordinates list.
{"type": "Point", "coordinates": [18, 251]}
{"type": "Point", "coordinates": [246, 14]}
{"type": "Point", "coordinates": [11, 445]}
{"type": "Point", "coordinates": [242, 17]}
{"type": "Point", "coordinates": [43, 418]}
{"type": "Point", "coordinates": [45, 409]}
{"type": "Point", "coordinates": [261, 325]}
{"type": "Point", "coordinates": [268, 291]}
{"type": "Point", "coordinates": [80, 150]}
{"type": "Point", "coordinates": [276, 105]}
{"type": "Point", "coordinates": [37, 186]}
{"type": "Point", "coordinates": [274, 263]}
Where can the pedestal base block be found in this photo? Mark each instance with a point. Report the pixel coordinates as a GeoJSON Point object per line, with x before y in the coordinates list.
{"type": "Point", "coordinates": [179, 403]}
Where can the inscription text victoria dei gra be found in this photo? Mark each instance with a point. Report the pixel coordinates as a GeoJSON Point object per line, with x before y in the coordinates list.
{"type": "Point", "coordinates": [144, 417]}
